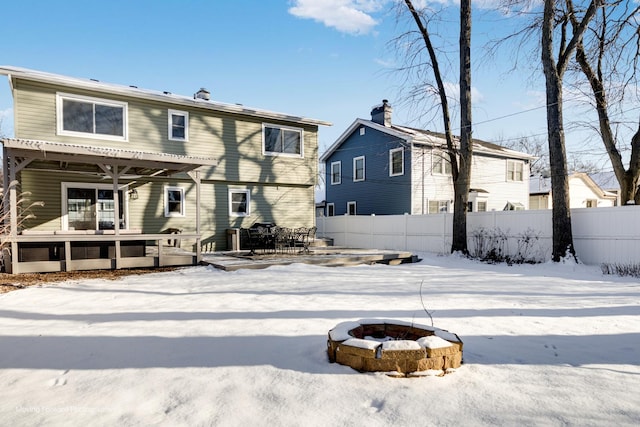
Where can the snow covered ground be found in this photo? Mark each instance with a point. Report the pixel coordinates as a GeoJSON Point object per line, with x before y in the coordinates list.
{"type": "Point", "coordinates": [543, 345]}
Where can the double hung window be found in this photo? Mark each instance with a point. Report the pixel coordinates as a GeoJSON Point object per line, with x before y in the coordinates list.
{"type": "Point", "coordinates": [396, 161]}
{"type": "Point", "coordinates": [440, 164]}
{"type": "Point", "coordinates": [358, 169]}
{"type": "Point", "coordinates": [438, 206]}
{"type": "Point", "coordinates": [515, 170]}
{"type": "Point", "coordinates": [174, 201]}
{"type": "Point", "coordinates": [239, 203]}
{"type": "Point", "coordinates": [178, 125]}
{"type": "Point", "coordinates": [336, 173]}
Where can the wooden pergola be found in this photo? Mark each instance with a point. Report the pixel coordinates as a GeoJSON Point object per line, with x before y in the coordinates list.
{"type": "Point", "coordinates": [106, 162]}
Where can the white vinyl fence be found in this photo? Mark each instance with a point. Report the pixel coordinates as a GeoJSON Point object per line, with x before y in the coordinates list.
{"type": "Point", "coordinates": [600, 235]}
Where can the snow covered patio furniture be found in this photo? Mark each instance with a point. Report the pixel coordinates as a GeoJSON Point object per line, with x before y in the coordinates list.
{"type": "Point", "coordinates": [395, 347]}
{"type": "Point", "coordinates": [270, 238]}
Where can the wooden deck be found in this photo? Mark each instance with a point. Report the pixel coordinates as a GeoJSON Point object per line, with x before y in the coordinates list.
{"type": "Point", "coordinates": [325, 256]}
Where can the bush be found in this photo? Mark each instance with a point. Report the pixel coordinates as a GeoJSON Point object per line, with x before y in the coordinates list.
{"type": "Point", "coordinates": [492, 245]}
{"type": "Point", "coordinates": [24, 207]}
{"type": "Point", "coordinates": [632, 270]}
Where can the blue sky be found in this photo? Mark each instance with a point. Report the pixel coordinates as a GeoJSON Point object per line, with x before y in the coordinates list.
{"type": "Point", "coordinates": [324, 59]}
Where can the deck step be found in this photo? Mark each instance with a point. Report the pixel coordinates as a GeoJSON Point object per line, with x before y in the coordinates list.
{"type": "Point", "coordinates": [321, 242]}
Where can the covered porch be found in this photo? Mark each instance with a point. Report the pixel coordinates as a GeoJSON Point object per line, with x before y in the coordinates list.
{"type": "Point", "coordinates": [68, 248]}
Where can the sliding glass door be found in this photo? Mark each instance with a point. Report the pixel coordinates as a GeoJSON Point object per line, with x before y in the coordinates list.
{"type": "Point", "coordinates": [92, 208]}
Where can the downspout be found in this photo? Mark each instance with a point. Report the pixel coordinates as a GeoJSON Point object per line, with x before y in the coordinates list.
{"type": "Point", "coordinates": [422, 177]}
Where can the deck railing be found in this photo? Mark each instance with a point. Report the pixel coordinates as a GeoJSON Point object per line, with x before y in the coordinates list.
{"type": "Point", "coordinates": [66, 245]}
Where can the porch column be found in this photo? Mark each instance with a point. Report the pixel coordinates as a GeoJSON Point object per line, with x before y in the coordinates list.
{"type": "Point", "coordinates": [195, 176]}
{"type": "Point", "coordinates": [5, 179]}
{"type": "Point", "coordinates": [13, 210]}
{"type": "Point", "coordinates": [116, 214]}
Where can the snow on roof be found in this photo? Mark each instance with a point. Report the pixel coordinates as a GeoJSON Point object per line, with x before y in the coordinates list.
{"type": "Point", "coordinates": [425, 137]}
{"type": "Point", "coordinates": [133, 91]}
{"type": "Point", "coordinates": [539, 184]}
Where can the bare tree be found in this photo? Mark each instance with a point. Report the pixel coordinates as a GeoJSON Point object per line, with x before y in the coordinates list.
{"type": "Point", "coordinates": [609, 59]}
{"type": "Point", "coordinates": [554, 65]}
{"type": "Point", "coordinates": [536, 147]}
{"type": "Point", "coordinates": [461, 171]}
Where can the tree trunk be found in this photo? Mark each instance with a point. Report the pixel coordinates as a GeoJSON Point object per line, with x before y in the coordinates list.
{"type": "Point", "coordinates": [627, 178]}
{"type": "Point", "coordinates": [561, 214]}
{"type": "Point", "coordinates": [463, 182]}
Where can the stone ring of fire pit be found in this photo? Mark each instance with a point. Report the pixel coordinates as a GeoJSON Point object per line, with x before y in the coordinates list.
{"type": "Point", "coordinates": [395, 347]}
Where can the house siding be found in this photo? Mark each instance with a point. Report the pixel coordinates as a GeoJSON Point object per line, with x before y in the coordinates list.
{"type": "Point", "coordinates": [235, 140]}
{"type": "Point", "coordinates": [379, 193]}
{"type": "Point", "coordinates": [281, 187]}
{"type": "Point", "coordinates": [489, 173]}
{"type": "Point", "coordinates": [427, 185]}
{"type": "Point", "coordinates": [290, 206]}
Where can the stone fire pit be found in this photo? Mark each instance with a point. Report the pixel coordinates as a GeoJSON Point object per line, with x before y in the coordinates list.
{"type": "Point", "coordinates": [395, 347]}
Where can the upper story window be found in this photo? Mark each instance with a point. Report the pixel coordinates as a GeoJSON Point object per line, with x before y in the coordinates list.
{"type": "Point", "coordinates": [440, 164]}
{"type": "Point", "coordinates": [178, 125]}
{"type": "Point", "coordinates": [396, 161]}
{"type": "Point", "coordinates": [336, 173]}
{"type": "Point", "coordinates": [174, 201]}
{"type": "Point", "coordinates": [84, 116]}
{"type": "Point", "coordinates": [281, 140]}
{"type": "Point", "coordinates": [358, 168]}
{"type": "Point", "coordinates": [515, 170]}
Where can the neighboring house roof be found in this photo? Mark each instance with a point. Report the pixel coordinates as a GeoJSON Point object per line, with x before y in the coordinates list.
{"type": "Point", "coordinates": [424, 137]}
{"type": "Point", "coordinates": [606, 180]}
{"type": "Point", "coordinates": [539, 185]}
{"type": "Point", "coordinates": [167, 97]}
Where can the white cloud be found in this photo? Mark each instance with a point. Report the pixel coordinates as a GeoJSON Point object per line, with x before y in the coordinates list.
{"type": "Point", "coordinates": [530, 100]}
{"type": "Point", "coordinates": [453, 92]}
{"type": "Point", "coordinates": [347, 16]}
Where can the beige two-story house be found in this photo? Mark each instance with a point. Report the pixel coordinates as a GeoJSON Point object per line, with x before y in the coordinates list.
{"type": "Point", "coordinates": [117, 167]}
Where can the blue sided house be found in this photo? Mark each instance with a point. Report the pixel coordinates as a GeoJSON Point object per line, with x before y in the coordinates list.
{"type": "Point", "coordinates": [377, 167]}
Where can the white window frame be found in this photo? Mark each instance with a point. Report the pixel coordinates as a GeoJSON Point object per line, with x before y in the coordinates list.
{"type": "Point", "coordinates": [64, 186]}
{"type": "Point", "coordinates": [280, 153]}
{"type": "Point", "coordinates": [440, 164]}
{"type": "Point", "coordinates": [61, 97]}
{"type": "Point", "coordinates": [518, 166]}
{"type": "Point", "coordinates": [364, 175]}
{"type": "Point", "coordinates": [391, 153]}
{"type": "Point", "coordinates": [167, 212]}
{"type": "Point", "coordinates": [443, 206]}
{"type": "Point", "coordinates": [185, 114]}
{"type": "Point", "coordinates": [331, 209]}
{"type": "Point", "coordinates": [337, 164]}
{"type": "Point", "coordinates": [245, 191]}
{"type": "Point", "coordinates": [355, 208]}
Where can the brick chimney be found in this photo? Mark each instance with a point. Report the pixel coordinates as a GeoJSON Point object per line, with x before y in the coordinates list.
{"type": "Point", "coordinates": [382, 113]}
